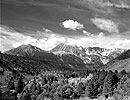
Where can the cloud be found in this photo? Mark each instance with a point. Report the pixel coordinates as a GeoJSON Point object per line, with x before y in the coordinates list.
{"type": "Point", "coordinates": [119, 4]}
{"type": "Point", "coordinates": [100, 41]}
{"type": "Point", "coordinates": [123, 43]}
{"type": "Point", "coordinates": [122, 6]}
{"type": "Point", "coordinates": [12, 39]}
{"type": "Point", "coordinates": [87, 33]}
{"type": "Point", "coordinates": [112, 3]}
{"type": "Point", "coordinates": [44, 43]}
{"type": "Point", "coordinates": [47, 30]}
{"type": "Point", "coordinates": [101, 34]}
{"type": "Point", "coordinates": [8, 37]}
{"type": "Point", "coordinates": [106, 24]}
{"type": "Point", "coordinates": [72, 25]}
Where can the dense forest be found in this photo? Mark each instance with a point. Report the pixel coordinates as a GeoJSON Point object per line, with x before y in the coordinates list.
{"type": "Point", "coordinates": [68, 85]}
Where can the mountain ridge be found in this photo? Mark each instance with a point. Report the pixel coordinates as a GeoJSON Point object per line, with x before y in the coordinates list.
{"type": "Point", "coordinates": [73, 57]}
{"type": "Point", "coordinates": [87, 53]}
{"type": "Point", "coordinates": [65, 61]}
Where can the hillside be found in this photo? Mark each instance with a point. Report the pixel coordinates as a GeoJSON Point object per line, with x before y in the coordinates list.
{"type": "Point", "coordinates": [22, 64]}
{"type": "Point", "coordinates": [119, 63]}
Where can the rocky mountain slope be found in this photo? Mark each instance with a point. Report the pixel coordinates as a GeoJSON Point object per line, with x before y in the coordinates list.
{"type": "Point", "coordinates": [90, 55]}
{"type": "Point", "coordinates": [24, 50]}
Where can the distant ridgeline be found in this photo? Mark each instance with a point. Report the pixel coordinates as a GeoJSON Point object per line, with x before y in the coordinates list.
{"type": "Point", "coordinates": [32, 60]}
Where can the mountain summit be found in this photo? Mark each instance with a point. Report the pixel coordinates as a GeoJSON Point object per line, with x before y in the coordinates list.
{"type": "Point", "coordinates": [75, 50]}
{"type": "Point", "coordinates": [24, 50]}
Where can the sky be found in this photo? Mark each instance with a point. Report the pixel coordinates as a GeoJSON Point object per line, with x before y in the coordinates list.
{"type": "Point", "coordinates": [47, 23]}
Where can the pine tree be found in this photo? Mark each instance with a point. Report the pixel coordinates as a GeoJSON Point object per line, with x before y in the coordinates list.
{"type": "Point", "coordinates": [0, 94]}
{"type": "Point", "coordinates": [107, 88]}
{"type": "Point", "coordinates": [109, 83]}
{"type": "Point", "coordinates": [20, 84]}
{"type": "Point", "coordinates": [102, 76]}
{"type": "Point", "coordinates": [11, 85]}
{"type": "Point", "coordinates": [80, 89]}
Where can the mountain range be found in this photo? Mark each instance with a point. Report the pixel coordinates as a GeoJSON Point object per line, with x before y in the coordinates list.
{"type": "Point", "coordinates": [89, 54]}
{"type": "Point", "coordinates": [30, 59]}
{"type": "Point", "coordinates": [33, 58]}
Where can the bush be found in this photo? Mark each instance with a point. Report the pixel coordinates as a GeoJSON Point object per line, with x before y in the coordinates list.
{"type": "Point", "coordinates": [67, 91]}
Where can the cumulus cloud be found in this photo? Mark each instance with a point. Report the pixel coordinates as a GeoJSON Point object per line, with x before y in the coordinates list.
{"type": "Point", "coordinates": [106, 24]}
{"type": "Point", "coordinates": [72, 25]}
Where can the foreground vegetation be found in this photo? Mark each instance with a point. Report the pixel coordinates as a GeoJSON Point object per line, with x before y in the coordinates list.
{"type": "Point", "coordinates": [68, 85]}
